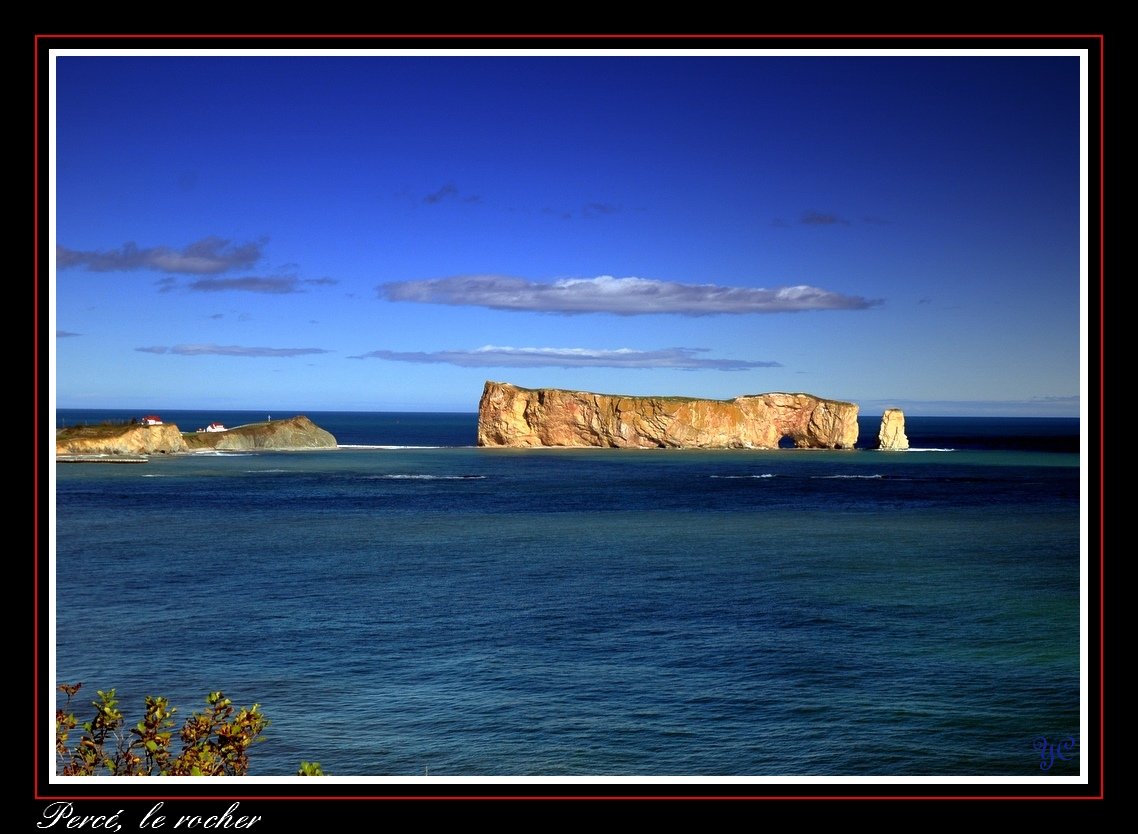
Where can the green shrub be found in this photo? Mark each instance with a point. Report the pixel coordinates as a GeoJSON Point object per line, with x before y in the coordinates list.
{"type": "Point", "coordinates": [214, 742]}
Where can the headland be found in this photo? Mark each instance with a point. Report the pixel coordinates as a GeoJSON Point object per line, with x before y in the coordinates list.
{"type": "Point", "coordinates": [144, 438]}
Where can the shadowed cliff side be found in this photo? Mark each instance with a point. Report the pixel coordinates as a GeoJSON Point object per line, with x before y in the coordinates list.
{"type": "Point", "coordinates": [528, 417]}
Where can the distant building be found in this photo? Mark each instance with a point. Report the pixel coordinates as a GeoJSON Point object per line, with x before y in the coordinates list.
{"type": "Point", "coordinates": [151, 420]}
{"type": "Point", "coordinates": [215, 427]}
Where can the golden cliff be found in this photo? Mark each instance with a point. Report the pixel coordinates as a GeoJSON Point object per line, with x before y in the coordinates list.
{"type": "Point", "coordinates": [120, 440]}
{"type": "Point", "coordinates": [513, 416]}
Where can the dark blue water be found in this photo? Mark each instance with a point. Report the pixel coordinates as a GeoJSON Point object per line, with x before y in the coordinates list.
{"type": "Point", "coordinates": [591, 612]}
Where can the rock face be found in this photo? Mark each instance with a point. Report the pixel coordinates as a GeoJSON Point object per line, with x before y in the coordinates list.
{"type": "Point", "coordinates": [284, 435]}
{"type": "Point", "coordinates": [125, 440]}
{"type": "Point", "coordinates": [891, 436]}
{"type": "Point", "coordinates": [513, 416]}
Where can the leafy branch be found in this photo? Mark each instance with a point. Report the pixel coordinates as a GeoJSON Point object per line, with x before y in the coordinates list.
{"type": "Point", "coordinates": [214, 742]}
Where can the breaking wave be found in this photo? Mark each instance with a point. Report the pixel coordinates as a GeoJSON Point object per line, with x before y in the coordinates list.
{"type": "Point", "coordinates": [427, 477]}
{"type": "Point", "coordinates": [739, 477]}
{"type": "Point", "coordinates": [374, 446]}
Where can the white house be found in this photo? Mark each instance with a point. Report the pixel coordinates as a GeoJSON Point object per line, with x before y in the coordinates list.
{"type": "Point", "coordinates": [215, 427]}
{"type": "Point", "coordinates": [151, 420]}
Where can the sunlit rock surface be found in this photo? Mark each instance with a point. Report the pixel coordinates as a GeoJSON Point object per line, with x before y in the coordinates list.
{"type": "Point", "coordinates": [891, 436]}
{"type": "Point", "coordinates": [528, 417]}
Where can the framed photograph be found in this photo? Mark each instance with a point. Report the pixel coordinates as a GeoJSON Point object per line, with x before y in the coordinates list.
{"type": "Point", "coordinates": [565, 417]}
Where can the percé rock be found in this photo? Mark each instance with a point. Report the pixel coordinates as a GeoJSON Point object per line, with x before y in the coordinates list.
{"type": "Point", "coordinates": [891, 436]}
{"type": "Point", "coordinates": [120, 440]}
{"type": "Point", "coordinates": [513, 416]}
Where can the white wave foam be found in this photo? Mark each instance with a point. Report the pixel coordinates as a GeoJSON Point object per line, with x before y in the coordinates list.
{"type": "Point", "coordinates": [371, 446]}
{"type": "Point", "coordinates": [739, 477]}
{"type": "Point", "coordinates": [854, 477]}
{"type": "Point", "coordinates": [927, 450]}
{"type": "Point", "coordinates": [428, 477]}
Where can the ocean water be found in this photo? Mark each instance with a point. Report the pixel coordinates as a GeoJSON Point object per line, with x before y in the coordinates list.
{"type": "Point", "coordinates": [408, 603]}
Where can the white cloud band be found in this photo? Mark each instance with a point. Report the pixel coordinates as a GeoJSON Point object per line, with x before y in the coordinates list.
{"type": "Point", "coordinates": [621, 296]}
{"type": "Point", "coordinates": [231, 350]}
{"type": "Point", "coordinates": [493, 356]}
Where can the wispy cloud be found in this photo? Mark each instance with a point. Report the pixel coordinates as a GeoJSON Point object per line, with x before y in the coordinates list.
{"type": "Point", "coordinates": [621, 296]}
{"type": "Point", "coordinates": [816, 218]}
{"type": "Point", "coordinates": [448, 190]}
{"type": "Point", "coordinates": [232, 350]}
{"type": "Point", "coordinates": [596, 209]}
{"type": "Point", "coordinates": [1038, 406]}
{"type": "Point", "coordinates": [208, 256]}
{"type": "Point", "coordinates": [63, 334]}
{"type": "Point", "coordinates": [261, 284]}
{"type": "Point", "coordinates": [586, 212]}
{"type": "Point", "coordinates": [493, 356]}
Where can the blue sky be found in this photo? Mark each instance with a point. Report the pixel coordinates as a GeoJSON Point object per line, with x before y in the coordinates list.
{"type": "Point", "coordinates": [385, 233]}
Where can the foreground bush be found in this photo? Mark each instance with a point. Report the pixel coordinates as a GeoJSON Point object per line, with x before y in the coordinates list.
{"type": "Point", "coordinates": [214, 742]}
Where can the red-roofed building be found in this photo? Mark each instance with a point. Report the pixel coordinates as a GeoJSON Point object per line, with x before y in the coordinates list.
{"type": "Point", "coordinates": [151, 420]}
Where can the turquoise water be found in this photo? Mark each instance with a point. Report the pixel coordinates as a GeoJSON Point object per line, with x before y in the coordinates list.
{"type": "Point", "coordinates": [592, 612]}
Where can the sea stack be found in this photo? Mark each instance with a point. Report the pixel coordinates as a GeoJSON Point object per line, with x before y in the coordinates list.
{"type": "Point", "coordinates": [534, 417]}
{"type": "Point", "coordinates": [891, 437]}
